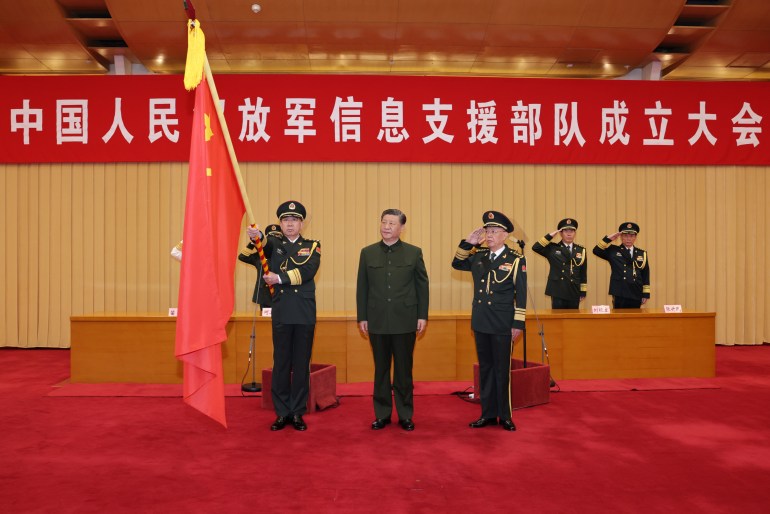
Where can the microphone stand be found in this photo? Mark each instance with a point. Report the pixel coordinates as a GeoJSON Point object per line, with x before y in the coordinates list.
{"type": "Point", "coordinates": [541, 332]}
{"type": "Point", "coordinates": [254, 386]}
{"type": "Point", "coordinates": [524, 332]}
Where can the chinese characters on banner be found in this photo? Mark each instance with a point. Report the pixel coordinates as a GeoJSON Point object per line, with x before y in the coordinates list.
{"type": "Point", "coordinates": [392, 119]}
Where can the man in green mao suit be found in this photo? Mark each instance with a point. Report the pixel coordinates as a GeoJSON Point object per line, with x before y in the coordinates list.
{"type": "Point", "coordinates": [392, 305]}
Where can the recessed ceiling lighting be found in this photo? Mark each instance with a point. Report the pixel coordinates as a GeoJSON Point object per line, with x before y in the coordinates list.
{"type": "Point", "coordinates": [255, 8]}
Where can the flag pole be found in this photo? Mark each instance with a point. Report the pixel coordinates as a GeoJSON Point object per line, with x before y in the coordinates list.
{"type": "Point", "coordinates": [228, 141]}
{"type": "Point", "coordinates": [197, 59]}
{"type": "Point", "coordinates": [196, 52]}
{"type": "Point", "coordinates": [254, 386]}
{"type": "Point", "coordinates": [236, 167]}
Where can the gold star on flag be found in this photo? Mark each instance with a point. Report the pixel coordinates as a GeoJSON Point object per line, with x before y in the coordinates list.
{"type": "Point", "coordinates": [208, 132]}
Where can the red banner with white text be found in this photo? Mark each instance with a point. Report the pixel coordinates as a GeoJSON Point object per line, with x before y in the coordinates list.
{"type": "Point", "coordinates": [368, 118]}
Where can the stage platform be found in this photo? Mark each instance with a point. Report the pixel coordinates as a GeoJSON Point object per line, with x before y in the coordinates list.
{"type": "Point", "coordinates": [139, 347]}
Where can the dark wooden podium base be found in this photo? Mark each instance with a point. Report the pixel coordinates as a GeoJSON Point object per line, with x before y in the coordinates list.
{"type": "Point", "coordinates": [529, 386]}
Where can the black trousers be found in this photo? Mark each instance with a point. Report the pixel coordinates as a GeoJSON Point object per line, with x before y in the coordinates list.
{"type": "Point", "coordinates": [292, 348]}
{"type": "Point", "coordinates": [563, 303]}
{"type": "Point", "coordinates": [400, 349]}
{"type": "Point", "coordinates": [494, 353]}
{"type": "Point", "coordinates": [619, 302]}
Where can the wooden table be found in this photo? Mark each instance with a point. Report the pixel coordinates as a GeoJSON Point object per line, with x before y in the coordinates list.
{"type": "Point", "coordinates": [139, 347]}
{"type": "Point", "coordinates": [628, 343]}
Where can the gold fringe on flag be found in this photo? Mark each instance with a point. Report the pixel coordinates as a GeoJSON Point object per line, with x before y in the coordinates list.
{"type": "Point", "coordinates": [196, 55]}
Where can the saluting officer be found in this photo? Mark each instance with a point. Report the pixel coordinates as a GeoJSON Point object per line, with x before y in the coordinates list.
{"type": "Point", "coordinates": [568, 277]}
{"type": "Point", "coordinates": [249, 255]}
{"type": "Point", "coordinates": [630, 277]}
{"type": "Point", "coordinates": [499, 308]}
{"type": "Point", "coordinates": [293, 262]}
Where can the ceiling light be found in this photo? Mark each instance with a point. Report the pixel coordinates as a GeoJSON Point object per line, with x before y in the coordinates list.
{"type": "Point", "coordinates": [255, 8]}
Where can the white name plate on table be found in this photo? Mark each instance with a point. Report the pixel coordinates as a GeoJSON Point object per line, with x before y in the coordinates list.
{"type": "Point", "coordinates": [600, 309]}
{"type": "Point", "coordinates": [672, 308]}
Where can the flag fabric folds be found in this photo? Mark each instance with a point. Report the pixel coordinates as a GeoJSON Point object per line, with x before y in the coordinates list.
{"type": "Point", "coordinates": [214, 210]}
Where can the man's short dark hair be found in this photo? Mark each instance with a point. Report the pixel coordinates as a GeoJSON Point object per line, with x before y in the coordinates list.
{"type": "Point", "coordinates": [394, 212]}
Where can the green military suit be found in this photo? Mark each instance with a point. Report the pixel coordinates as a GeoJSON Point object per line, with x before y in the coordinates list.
{"type": "Point", "coordinates": [391, 295]}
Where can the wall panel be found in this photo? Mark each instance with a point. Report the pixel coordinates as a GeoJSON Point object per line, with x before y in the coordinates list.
{"type": "Point", "coordinates": [85, 238]}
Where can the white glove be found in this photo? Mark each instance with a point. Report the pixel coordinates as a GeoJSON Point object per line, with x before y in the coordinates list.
{"type": "Point", "coordinates": [176, 252]}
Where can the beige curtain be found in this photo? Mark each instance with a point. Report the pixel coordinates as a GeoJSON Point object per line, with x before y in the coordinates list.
{"type": "Point", "coordinates": [85, 238]}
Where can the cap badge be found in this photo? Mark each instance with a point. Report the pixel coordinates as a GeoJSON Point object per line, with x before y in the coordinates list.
{"type": "Point", "coordinates": [292, 206]}
{"type": "Point", "coordinates": [569, 222]}
{"type": "Point", "coordinates": [491, 216]}
{"type": "Point", "coordinates": [628, 225]}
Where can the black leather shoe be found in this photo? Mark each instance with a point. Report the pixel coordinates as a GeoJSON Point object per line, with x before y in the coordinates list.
{"type": "Point", "coordinates": [279, 423]}
{"type": "Point", "coordinates": [508, 425]}
{"type": "Point", "coordinates": [379, 424]}
{"type": "Point", "coordinates": [406, 424]}
{"type": "Point", "coordinates": [482, 422]}
{"type": "Point", "coordinates": [299, 423]}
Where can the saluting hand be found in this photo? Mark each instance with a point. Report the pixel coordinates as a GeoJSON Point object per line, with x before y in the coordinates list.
{"type": "Point", "coordinates": [475, 237]}
{"type": "Point", "coordinates": [614, 236]}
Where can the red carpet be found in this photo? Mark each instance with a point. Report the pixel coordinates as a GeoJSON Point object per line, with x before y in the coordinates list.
{"type": "Point", "coordinates": [681, 450]}
{"type": "Point", "coordinates": [637, 384]}
{"type": "Point", "coordinates": [66, 388]}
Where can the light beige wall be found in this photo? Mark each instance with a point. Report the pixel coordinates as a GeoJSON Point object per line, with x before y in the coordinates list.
{"type": "Point", "coordinates": [89, 238]}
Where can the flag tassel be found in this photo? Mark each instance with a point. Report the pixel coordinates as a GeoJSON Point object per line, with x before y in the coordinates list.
{"type": "Point", "coordinates": [196, 55]}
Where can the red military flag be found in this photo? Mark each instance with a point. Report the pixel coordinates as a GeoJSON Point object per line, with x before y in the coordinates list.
{"type": "Point", "coordinates": [214, 210]}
